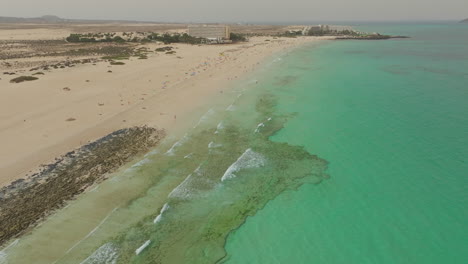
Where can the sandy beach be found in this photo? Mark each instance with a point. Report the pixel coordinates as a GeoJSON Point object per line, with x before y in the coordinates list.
{"type": "Point", "coordinates": [68, 107]}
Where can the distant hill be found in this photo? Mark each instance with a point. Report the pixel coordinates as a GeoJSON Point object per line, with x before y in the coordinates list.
{"type": "Point", "coordinates": [49, 19]}
{"type": "Point", "coordinates": [42, 19]}
{"type": "Point", "coordinates": [464, 21]}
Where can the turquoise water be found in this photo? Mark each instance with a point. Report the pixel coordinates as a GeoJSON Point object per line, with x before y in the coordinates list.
{"type": "Point", "coordinates": [391, 118]}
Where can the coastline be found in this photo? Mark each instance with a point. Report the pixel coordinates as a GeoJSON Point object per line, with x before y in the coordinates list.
{"type": "Point", "coordinates": [162, 91]}
{"type": "Point", "coordinates": [196, 94]}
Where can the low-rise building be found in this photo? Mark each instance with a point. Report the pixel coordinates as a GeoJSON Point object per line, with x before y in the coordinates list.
{"type": "Point", "coordinates": [210, 32]}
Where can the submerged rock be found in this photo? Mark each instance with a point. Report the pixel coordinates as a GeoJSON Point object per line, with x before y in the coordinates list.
{"type": "Point", "coordinates": [26, 201]}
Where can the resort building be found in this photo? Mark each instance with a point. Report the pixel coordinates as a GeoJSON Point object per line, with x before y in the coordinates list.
{"type": "Point", "coordinates": [219, 33]}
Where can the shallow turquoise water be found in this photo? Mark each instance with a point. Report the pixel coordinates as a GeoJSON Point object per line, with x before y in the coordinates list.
{"type": "Point", "coordinates": [391, 117]}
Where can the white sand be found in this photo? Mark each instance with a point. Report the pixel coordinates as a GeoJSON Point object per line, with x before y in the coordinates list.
{"type": "Point", "coordinates": [163, 91]}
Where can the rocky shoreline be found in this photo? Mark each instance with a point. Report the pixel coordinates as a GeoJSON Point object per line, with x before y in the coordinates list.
{"type": "Point", "coordinates": [26, 201]}
{"type": "Point", "coordinates": [371, 37]}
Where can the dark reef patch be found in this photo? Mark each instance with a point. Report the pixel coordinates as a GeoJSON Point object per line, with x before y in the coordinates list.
{"type": "Point", "coordinates": [25, 201]}
{"type": "Point", "coordinates": [233, 171]}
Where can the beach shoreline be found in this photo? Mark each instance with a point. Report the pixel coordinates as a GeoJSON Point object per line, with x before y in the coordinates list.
{"type": "Point", "coordinates": [67, 108]}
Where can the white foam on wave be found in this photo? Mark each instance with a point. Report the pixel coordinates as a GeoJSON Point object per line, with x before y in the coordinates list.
{"type": "Point", "coordinates": [205, 117]}
{"type": "Point", "coordinates": [163, 209]}
{"type": "Point", "coordinates": [214, 145]}
{"type": "Point", "coordinates": [92, 231]}
{"type": "Point", "coordinates": [261, 125]}
{"type": "Point", "coordinates": [231, 108]}
{"type": "Point", "coordinates": [219, 127]}
{"type": "Point", "coordinates": [141, 163]}
{"type": "Point", "coordinates": [248, 159]}
{"type": "Point", "coordinates": [106, 254]}
{"type": "Point", "coordinates": [137, 165]}
{"type": "Point", "coordinates": [258, 127]}
{"type": "Point", "coordinates": [188, 156]}
{"type": "Point", "coordinates": [3, 258]}
{"type": "Point", "coordinates": [4, 255]}
{"type": "Point", "coordinates": [183, 190]}
{"type": "Point", "coordinates": [142, 247]}
{"type": "Point", "coordinates": [14, 243]}
{"type": "Point", "coordinates": [154, 152]}
{"type": "Point", "coordinates": [171, 151]}
{"type": "Point", "coordinates": [94, 189]}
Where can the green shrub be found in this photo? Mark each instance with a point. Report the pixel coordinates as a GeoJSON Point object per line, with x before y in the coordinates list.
{"type": "Point", "coordinates": [235, 37]}
{"type": "Point", "coordinates": [73, 38]}
{"type": "Point", "coordinates": [117, 63]}
{"type": "Point", "coordinates": [23, 79]}
{"type": "Point", "coordinates": [117, 57]}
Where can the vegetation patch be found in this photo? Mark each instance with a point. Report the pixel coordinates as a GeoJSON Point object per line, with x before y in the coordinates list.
{"type": "Point", "coordinates": [164, 49]}
{"type": "Point", "coordinates": [236, 37]}
{"type": "Point", "coordinates": [26, 201]}
{"type": "Point", "coordinates": [23, 79]}
{"type": "Point", "coordinates": [117, 63]}
{"type": "Point", "coordinates": [98, 37]}
{"type": "Point", "coordinates": [175, 38]}
{"type": "Point", "coordinates": [117, 57]}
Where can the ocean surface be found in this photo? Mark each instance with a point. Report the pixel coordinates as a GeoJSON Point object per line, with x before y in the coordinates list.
{"type": "Point", "coordinates": [391, 118]}
{"type": "Point", "coordinates": [338, 152]}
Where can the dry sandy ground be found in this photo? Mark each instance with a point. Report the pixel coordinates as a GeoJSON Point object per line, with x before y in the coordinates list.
{"type": "Point", "coordinates": [56, 31]}
{"type": "Point", "coordinates": [40, 120]}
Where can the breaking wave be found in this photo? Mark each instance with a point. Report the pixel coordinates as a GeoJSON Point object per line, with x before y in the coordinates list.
{"type": "Point", "coordinates": [3, 258]}
{"type": "Point", "coordinates": [171, 151]}
{"type": "Point", "coordinates": [205, 117]}
{"type": "Point", "coordinates": [249, 159]}
{"type": "Point", "coordinates": [163, 209]}
{"type": "Point", "coordinates": [140, 249]}
{"type": "Point", "coordinates": [106, 254]}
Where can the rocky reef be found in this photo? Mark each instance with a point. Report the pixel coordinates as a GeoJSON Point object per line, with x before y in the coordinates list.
{"type": "Point", "coordinates": [24, 202]}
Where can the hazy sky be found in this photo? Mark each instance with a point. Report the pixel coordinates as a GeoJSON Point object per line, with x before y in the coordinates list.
{"type": "Point", "coordinates": [240, 10]}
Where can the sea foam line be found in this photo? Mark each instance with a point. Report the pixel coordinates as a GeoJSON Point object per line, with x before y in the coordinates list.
{"type": "Point", "coordinates": [12, 244]}
{"type": "Point", "coordinates": [154, 152]}
{"type": "Point", "coordinates": [261, 125]}
{"type": "Point", "coordinates": [219, 127]}
{"type": "Point", "coordinates": [92, 231]}
{"type": "Point", "coordinates": [248, 159]}
{"type": "Point", "coordinates": [106, 254]}
{"type": "Point", "coordinates": [231, 107]}
{"type": "Point", "coordinates": [258, 127]}
{"type": "Point", "coordinates": [205, 117]}
{"type": "Point", "coordinates": [4, 255]}
{"type": "Point", "coordinates": [163, 209]}
{"type": "Point", "coordinates": [3, 258]}
{"type": "Point", "coordinates": [179, 191]}
{"type": "Point", "coordinates": [142, 247]}
{"type": "Point", "coordinates": [214, 145]}
{"type": "Point", "coordinates": [171, 151]}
